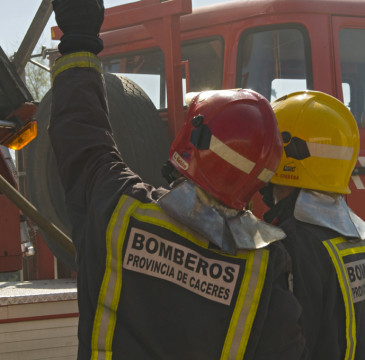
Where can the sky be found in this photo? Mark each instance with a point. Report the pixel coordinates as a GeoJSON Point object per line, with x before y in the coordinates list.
{"type": "Point", "coordinates": [17, 15]}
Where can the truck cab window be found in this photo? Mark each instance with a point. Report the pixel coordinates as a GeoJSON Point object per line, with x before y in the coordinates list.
{"type": "Point", "coordinates": [147, 68]}
{"type": "Point", "coordinates": [205, 62]}
{"type": "Point", "coordinates": [274, 61]}
{"type": "Point", "coordinates": [352, 57]}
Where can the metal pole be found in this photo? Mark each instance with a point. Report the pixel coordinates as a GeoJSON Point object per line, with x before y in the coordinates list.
{"type": "Point", "coordinates": [32, 36]}
{"type": "Point", "coordinates": [61, 239]}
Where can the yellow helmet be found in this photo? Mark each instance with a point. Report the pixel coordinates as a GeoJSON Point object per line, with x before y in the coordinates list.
{"type": "Point", "coordinates": [321, 142]}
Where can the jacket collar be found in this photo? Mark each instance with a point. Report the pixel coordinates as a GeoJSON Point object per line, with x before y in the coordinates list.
{"type": "Point", "coordinates": [329, 210]}
{"type": "Point", "coordinates": [324, 209]}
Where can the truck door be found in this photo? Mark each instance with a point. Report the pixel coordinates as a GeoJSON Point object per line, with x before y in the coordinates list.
{"type": "Point", "coordinates": [349, 55]}
{"type": "Point", "coordinates": [274, 60]}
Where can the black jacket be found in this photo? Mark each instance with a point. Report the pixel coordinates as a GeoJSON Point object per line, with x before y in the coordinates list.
{"type": "Point", "coordinates": [317, 285]}
{"type": "Point", "coordinates": [165, 293]}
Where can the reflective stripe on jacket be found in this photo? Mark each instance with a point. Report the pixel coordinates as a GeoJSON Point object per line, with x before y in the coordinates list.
{"type": "Point", "coordinates": [348, 258]}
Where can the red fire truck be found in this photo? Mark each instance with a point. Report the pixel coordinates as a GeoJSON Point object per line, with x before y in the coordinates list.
{"type": "Point", "coordinates": [157, 51]}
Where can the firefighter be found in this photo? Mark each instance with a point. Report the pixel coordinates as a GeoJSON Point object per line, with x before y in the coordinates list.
{"type": "Point", "coordinates": [324, 237]}
{"type": "Point", "coordinates": [177, 273]}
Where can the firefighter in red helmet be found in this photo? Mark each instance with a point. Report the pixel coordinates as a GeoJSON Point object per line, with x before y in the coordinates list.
{"type": "Point", "coordinates": [179, 273]}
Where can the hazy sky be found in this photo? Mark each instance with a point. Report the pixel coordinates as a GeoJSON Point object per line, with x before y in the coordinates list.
{"type": "Point", "coordinates": [17, 15]}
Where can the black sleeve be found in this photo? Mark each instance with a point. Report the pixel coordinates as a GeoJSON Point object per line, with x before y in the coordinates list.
{"type": "Point", "coordinates": [279, 335]}
{"type": "Point", "coordinates": [91, 169]}
{"type": "Point", "coordinates": [316, 286]}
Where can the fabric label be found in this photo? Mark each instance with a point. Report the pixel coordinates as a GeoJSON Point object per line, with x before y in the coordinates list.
{"type": "Point", "coordinates": [356, 275]}
{"type": "Point", "coordinates": [155, 256]}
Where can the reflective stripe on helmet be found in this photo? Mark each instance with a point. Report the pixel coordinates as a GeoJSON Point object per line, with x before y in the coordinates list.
{"type": "Point", "coordinates": [231, 156]}
{"type": "Point", "coordinates": [330, 151]}
{"type": "Point", "coordinates": [266, 175]}
{"type": "Point", "coordinates": [300, 149]}
{"type": "Point", "coordinates": [237, 160]}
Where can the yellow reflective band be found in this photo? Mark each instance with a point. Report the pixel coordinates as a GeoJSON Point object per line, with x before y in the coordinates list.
{"type": "Point", "coordinates": [247, 303]}
{"type": "Point", "coordinates": [231, 156]}
{"type": "Point", "coordinates": [348, 248]}
{"type": "Point", "coordinates": [105, 317]}
{"type": "Point", "coordinates": [78, 59]}
{"type": "Point", "coordinates": [152, 214]}
{"type": "Point", "coordinates": [336, 255]}
{"type": "Point", "coordinates": [330, 151]}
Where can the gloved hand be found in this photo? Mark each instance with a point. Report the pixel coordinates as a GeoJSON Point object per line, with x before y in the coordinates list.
{"type": "Point", "coordinates": [80, 22]}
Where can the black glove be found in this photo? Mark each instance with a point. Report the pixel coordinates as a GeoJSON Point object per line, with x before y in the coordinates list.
{"type": "Point", "coordinates": [80, 22]}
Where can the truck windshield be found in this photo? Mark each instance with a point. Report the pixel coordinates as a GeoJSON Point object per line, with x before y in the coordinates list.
{"type": "Point", "coordinates": [147, 68]}
{"type": "Point", "coordinates": [352, 56]}
{"type": "Point", "coordinates": [274, 61]}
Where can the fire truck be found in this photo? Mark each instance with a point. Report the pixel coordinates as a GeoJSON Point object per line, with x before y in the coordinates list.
{"type": "Point", "coordinates": [156, 52]}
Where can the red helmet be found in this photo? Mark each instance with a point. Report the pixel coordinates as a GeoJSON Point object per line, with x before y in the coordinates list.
{"type": "Point", "coordinates": [229, 144]}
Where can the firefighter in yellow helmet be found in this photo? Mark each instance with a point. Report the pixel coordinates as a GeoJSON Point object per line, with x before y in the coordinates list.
{"type": "Point", "coordinates": [324, 237]}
